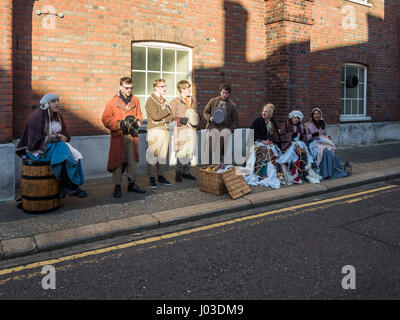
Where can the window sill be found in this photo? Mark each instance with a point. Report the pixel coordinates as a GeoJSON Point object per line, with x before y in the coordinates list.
{"type": "Point", "coordinates": [350, 118]}
{"type": "Point", "coordinates": [361, 2]}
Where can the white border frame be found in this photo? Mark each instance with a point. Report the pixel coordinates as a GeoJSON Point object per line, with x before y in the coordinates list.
{"type": "Point", "coordinates": [362, 2]}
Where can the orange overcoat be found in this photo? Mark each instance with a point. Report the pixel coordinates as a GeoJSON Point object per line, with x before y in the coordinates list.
{"type": "Point", "coordinates": [115, 111]}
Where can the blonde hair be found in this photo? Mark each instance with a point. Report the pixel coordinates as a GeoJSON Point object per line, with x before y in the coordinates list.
{"type": "Point", "coordinates": [157, 81]}
{"type": "Point", "coordinates": [269, 106]}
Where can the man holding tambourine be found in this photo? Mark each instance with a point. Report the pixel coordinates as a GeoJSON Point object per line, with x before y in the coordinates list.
{"type": "Point", "coordinates": [221, 113]}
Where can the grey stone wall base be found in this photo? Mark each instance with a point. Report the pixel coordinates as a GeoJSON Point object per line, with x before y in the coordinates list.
{"type": "Point", "coordinates": [7, 173]}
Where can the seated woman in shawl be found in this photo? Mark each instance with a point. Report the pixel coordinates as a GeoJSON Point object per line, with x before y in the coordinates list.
{"type": "Point", "coordinates": [45, 138]}
{"type": "Point", "coordinates": [267, 139]}
{"type": "Point", "coordinates": [322, 148]}
{"type": "Point", "coordinates": [261, 167]}
{"type": "Point", "coordinates": [296, 155]}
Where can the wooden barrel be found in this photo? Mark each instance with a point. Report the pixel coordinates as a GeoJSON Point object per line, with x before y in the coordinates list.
{"type": "Point", "coordinates": [39, 188]}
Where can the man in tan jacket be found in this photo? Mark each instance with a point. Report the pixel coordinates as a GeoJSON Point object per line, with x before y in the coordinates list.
{"type": "Point", "coordinates": [231, 120]}
{"type": "Point", "coordinates": [184, 133]}
{"type": "Point", "coordinates": [159, 115]}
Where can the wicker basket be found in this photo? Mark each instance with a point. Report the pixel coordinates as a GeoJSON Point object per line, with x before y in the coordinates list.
{"type": "Point", "coordinates": [235, 183]}
{"type": "Point", "coordinates": [211, 182]}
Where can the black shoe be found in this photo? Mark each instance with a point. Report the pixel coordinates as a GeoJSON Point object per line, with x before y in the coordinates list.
{"type": "Point", "coordinates": [164, 181]}
{"type": "Point", "coordinates": [132, 187]}
{"type": "Point", "coordinates": [188, 176]}
{"type": "Point", "coordinates": [81, 193]}
{"type": "Point", "coordinates": [61, 194]}
{"type": "Point", "coordinates": [66, 191]}
{"type": "Point", "coordinates": [117, 191]}
{"type": "Point", "coordinates": [153, 183]}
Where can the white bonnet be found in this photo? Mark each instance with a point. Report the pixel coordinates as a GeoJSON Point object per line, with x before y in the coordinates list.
{"type": "Point", "coordinates": [296, 114]}
{"type": "Point", "coordinates": [46, 100]}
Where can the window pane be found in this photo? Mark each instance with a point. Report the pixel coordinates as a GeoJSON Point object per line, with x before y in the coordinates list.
{"type": "Point", "coordinates": [139, 82]}
{"type": "Point", "coordinates": [138, 58]}
{"type": "Point", "coordinates": [169, 60]}
{"type": "Point", "coordinates": [361, 91]}
{"type": "Point", "coordinates": [342, 107]}
{"type": "Point", "coordinates": [343, 74]}
{"type": "Point", "coordinates": [360, 106]}
{"type": "Point", "coordinates": [170, 82]}
{"type": "Point", "coordinates": [180, 77]}
{"type": "Point", "coordinates": [182, 58]}
{"type": "Point", "coordinates": [142, 101]}
{"type": "Point", "coordinates": [154, 59]}
{"type": "Point", "coordinates": [354, 107]}
{"type": "Point", "coordinates": [351, 71]}
{"type": "Point", "coordinates": [151, 76]}
{"type": "Point", "coordinates": [351, 92]}
{"type": "Point", "coordinates": [348, 107]}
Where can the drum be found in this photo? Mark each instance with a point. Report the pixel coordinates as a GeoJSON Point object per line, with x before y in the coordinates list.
{"type": "Point", "coordinates": [39, 188]}
{"type": "Point", "coordinates": [193, 117]}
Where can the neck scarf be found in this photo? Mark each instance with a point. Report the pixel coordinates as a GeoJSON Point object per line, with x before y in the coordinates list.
{"type": "Point", "coordinates": [125, 100]}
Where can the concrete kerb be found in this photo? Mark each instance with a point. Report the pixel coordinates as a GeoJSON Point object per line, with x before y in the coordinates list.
{"type": "Point", "coordinates": [18, 247]}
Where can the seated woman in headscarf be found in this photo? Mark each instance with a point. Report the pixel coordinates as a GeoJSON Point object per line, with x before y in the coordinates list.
{"type": "Point", "coordinates": [322, 148]}
{"type": "Point", "coordinates": [45, 138]}
{"type": "Point", "coordinates": [296, 155]}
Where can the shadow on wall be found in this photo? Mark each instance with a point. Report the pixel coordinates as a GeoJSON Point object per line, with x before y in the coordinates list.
{"type": "Point", "coordinates": [291, 77]}
{"type": "Point", "coordinates": [294, 77]}
{"type": "Point", "coordinates": [26, 100]}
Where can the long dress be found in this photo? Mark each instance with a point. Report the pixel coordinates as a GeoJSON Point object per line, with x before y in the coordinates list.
{"type": "Point", "coordinates": [322, 150]}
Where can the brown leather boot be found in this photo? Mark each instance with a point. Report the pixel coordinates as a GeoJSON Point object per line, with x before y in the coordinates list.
{"type": "Point", "coordinates": [178, 177]}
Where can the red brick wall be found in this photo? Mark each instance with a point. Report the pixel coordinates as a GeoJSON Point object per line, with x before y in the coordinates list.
{"type": "Point", "coordinates": [6, 71]}
{"type": "Point", "coordinates": [288, 52]}
{"type": "Point", "coordinates": [374, 42]}
{"type": "Point", "coordinates": [309, 47]}
{"type": "Point", "coordinates": [288, 31]}
{"type": "Point", "coordinates": [83, 58]}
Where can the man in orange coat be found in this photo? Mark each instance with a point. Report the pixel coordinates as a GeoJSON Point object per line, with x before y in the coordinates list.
{"type": "Point", "coordinates": [124, 146]}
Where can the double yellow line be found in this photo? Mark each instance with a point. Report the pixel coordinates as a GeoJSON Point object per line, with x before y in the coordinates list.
{"type": "Point", "coordinates": [188, 231]}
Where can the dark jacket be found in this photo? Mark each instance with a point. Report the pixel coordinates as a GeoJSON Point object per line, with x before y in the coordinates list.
{"type": "Point", "coordinates": [232, 116]}
{"type": "Point", "coordinates": [261, 133]}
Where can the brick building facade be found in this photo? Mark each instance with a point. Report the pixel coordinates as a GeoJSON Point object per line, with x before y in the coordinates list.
{"type": "Point", "coordinates": [289, 52]}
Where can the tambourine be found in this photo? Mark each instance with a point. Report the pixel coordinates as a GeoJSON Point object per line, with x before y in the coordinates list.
{"type": "Point", "coordinates": [193, 117]}
{"type": "Point", "coordinates": [219, 115]}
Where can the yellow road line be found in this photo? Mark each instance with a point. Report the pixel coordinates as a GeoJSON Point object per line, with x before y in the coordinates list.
{"type": "Point", "coordinates": [185, 232]}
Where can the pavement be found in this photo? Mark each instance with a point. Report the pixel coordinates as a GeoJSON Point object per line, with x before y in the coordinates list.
{"type": "Point", "coordinates": [101, 216]}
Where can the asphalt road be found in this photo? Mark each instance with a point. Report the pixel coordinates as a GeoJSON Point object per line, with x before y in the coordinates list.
{"type": "Point", "coordinates": [296, 251]}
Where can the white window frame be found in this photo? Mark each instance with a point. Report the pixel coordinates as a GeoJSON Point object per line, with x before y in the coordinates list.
{"type": "Point", "coordinates": [162, 45]}
{"type": "Point", "coordinates": [355, 117]}
{"type": "Point", "coordinates": [367, 3]}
